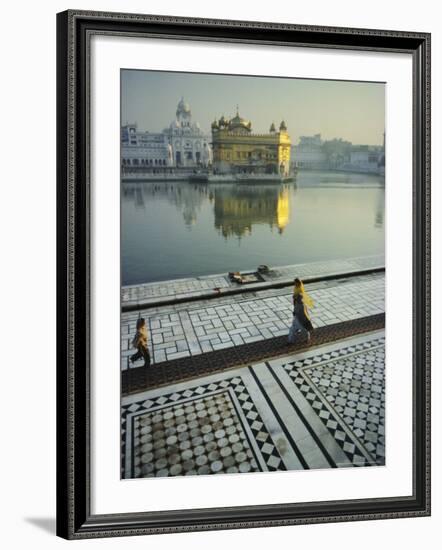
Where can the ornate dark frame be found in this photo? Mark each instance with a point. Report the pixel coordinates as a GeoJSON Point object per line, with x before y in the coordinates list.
{"type": "Point", "coordinates": [74, 30]}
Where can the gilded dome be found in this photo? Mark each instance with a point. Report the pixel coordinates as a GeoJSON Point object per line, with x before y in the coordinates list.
{"type": "Point", "coordinates": [238, 122]}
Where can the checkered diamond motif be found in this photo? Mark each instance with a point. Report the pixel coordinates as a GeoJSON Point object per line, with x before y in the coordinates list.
{"type": "Point", "coordinates": [267, 448]}
{"type": "Point", "coordinates": [197, 431]}
{"type": "Point", "coordinates": [346, 388]}
{"type": "Point", "coordinates": [341, 352]}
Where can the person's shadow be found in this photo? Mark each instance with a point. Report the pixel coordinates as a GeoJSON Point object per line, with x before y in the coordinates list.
{"type": "Point", "coordinates": [46, 524]}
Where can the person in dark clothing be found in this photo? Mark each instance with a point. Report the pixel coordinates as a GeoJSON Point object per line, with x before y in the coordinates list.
{"type": "Point", "coordinates": [301, 319]}
{"type": "Point", "coordinates": [140, 343]}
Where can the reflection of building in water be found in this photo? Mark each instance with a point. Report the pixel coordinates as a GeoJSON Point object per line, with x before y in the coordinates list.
{"type": "Point", "coordinates": [283, 210]}
{"type": "Point", "coordinates": [237, 149]}
{"type": "Point", "coordinates": [139, 199]}
{"type": "Point", "coordinates": [380, 209]}
{"type": "Point", "coordinates": [187, 198]}
{"type": "Point", "coordinates": [237, 209]}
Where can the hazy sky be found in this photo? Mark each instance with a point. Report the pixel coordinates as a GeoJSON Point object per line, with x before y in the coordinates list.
{"type": "Point", "coordinates": [354, 111]}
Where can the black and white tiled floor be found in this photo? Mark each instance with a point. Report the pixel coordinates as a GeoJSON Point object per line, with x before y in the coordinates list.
{"type": "Point", "coordinates": [211, 428]}
{"type": "Point", "coordinates": [346, 388]}
{"type": "Point", "coordinates": [324, 408]}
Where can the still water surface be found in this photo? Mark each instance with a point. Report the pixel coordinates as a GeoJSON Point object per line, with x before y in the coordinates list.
{"type": "Point", "coordinates": [180, 229]}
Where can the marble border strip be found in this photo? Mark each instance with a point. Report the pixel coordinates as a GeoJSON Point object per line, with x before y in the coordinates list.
{"type": "Point", "coordinates": [302, 417]}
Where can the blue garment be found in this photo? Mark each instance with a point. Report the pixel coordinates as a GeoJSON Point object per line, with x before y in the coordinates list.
{"type": "Point", "coordinates": [296, 330]}
{"type": "Point", "coordinates": [300, 311]}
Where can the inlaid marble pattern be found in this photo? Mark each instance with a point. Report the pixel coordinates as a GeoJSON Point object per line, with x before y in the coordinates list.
{"type": "Point", "coordinates": [207, 429]}
{"type": "Point", "coordinates": [315, 409]}
{"type": "Point", "coordinates": [346, 387]}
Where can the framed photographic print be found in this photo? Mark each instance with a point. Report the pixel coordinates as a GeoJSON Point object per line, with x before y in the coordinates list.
{"type": "Point", "coordinates": [243, 274]}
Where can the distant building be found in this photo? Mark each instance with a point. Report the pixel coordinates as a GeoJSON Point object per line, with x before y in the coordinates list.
{"type": "Point", "coordinates": [313, 153]}
{"type": "Point", "coordinates": [309, 153]}
{"type": "Point", "coordinates": [189, 143]}
{"type": "Point", "coordinates": [366, 158]}
{"type": "Point", "coordinates": [236, 149]}
{"type": "Point", "coordinates": [182, 145]}
{"type": "Point", "coordinates": [144, 149]}
{"type": "Point", "coordinates": [337, 153]}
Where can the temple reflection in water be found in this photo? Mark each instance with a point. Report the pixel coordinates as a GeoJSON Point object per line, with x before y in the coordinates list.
{"type": "Point", "coordinates": [176, 229]}
{"type": "Point", "coordinates": [237, 208]}
{"type": "Point", "coordinates": [187, 198]}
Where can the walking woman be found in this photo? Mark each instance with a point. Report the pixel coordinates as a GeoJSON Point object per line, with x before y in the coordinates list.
{"type": "Point", "coordinates": [140, 343]}
{"type": "Point", "coordinates": [301, 319]}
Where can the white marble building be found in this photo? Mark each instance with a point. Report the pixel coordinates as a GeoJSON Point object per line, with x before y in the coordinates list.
{"type": "Point", "coordinates": [366, 159]}
{"type": "Point", "coordinates": [314, 153]}
{"type": "Point", "coordinates": [309, 152]}
{"type": "Point", "coordinates": [144, 150]}
{"type": "Point", "coordinates": [190, 145]}
{"type": "Point", "coordinates": [181, 145]}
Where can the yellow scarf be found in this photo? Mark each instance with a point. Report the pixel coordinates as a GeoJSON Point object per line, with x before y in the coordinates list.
{"type": "Point", "coordinates": [305, 297]}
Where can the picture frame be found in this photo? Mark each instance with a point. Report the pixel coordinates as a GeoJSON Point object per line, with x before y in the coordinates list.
{"type": "Point", "coordinates": [75, 519]}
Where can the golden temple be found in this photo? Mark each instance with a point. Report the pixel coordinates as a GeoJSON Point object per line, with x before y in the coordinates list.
{"type": "Point", "coordinates": [236, 149]}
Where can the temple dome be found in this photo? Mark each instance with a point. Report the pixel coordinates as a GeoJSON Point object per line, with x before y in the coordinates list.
{"type": "Point", "coordinates": [238, 122]}
{"type": "Point", "coordinates": [183, 107]}
{"type": "Point", "coordinates": [283, 127]}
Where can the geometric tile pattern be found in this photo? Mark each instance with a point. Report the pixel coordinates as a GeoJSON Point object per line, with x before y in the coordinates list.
{"type": "Point", "coordinates": [346, 388]}
{"type": "Point", "coordinates": [319, 408]}
{"type": "Point", "coordinates": [191, 329]}
{"type": "Point", "coordinates": [207, 429]}
{"type": "Point", "coordinates": [202, 437]}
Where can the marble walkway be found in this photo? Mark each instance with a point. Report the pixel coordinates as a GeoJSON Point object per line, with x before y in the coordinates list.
{"type": "Point", "coordinates": [321, 408]}
{"type": "Point", "coordinates": [210, 285]}
{"type": "Point", "coordinates": [194, 328]}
